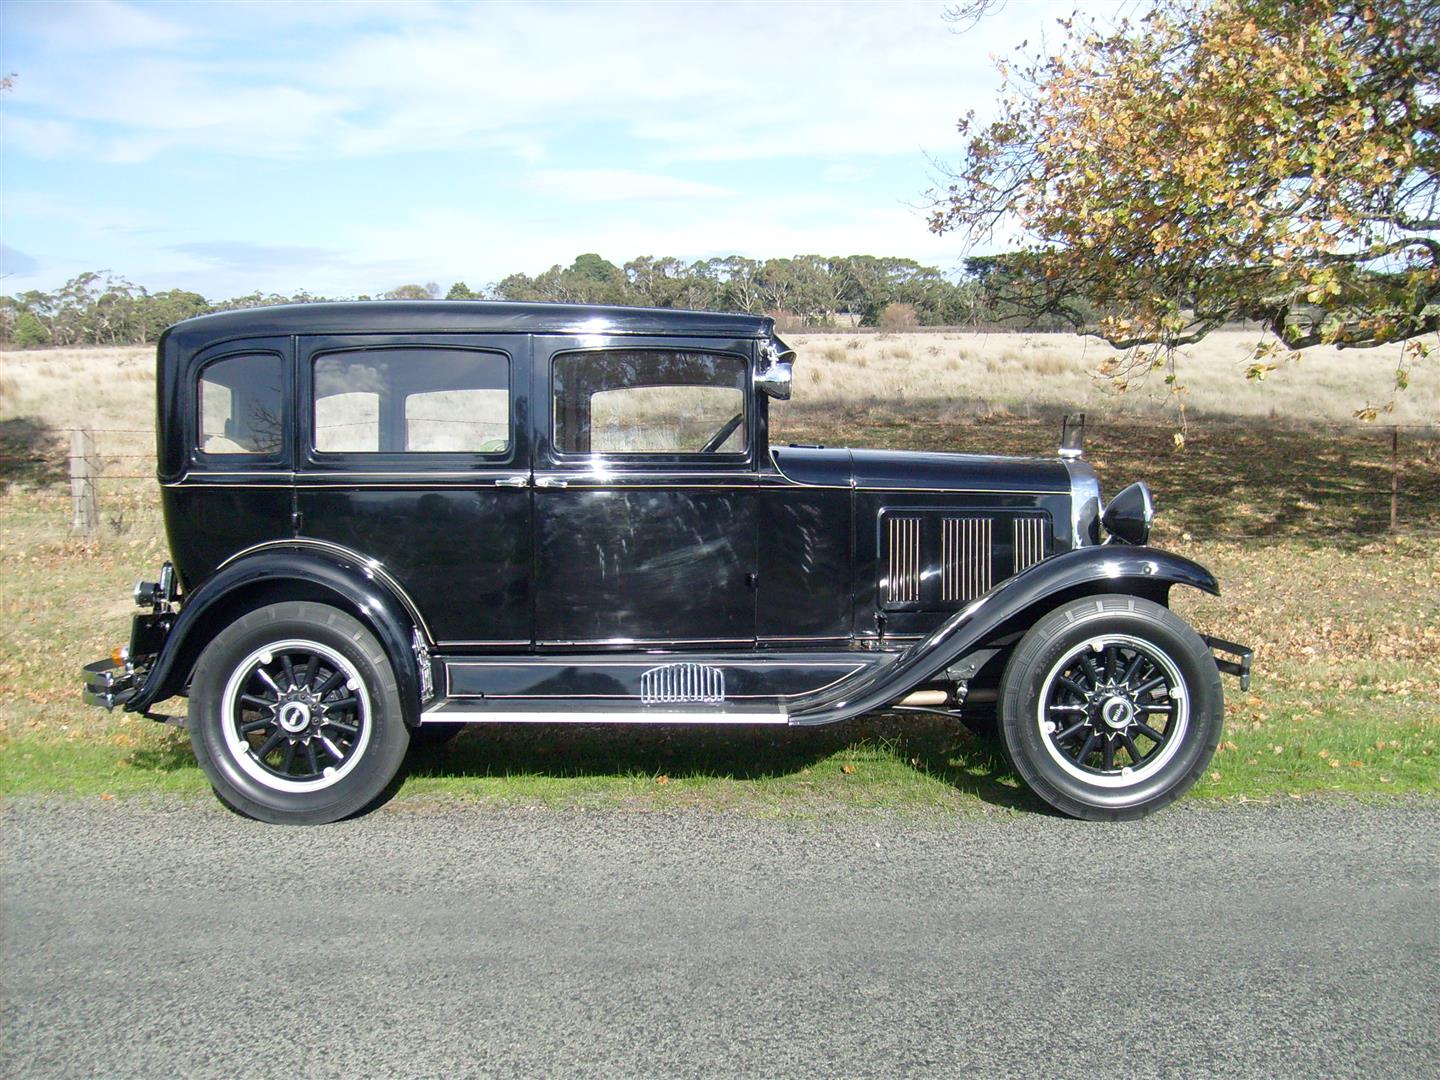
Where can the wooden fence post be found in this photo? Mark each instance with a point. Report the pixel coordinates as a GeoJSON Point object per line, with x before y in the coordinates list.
{"type": "Point", "coordinates": [84, 503]}
{"type": "Point", "coordinates": [1394, 477]}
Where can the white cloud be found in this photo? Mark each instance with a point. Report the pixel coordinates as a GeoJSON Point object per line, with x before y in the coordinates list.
{"type": "Point", "coordinates": [662, 128]}
{"type": "Point", "coordinates": [621, 185]}
{"type": "Point", "coordinates": [40, 138]}
{"type": "Point", "coordinates": [91, 216]}
{"type": "Point", "coordinates": [449, 243]}
{"type": "Point", "coordinates": [694, 81]}
{"type": "Point", "coordinates": [845, 172]}
{"type": "Point", "coordinates": [94, 26]}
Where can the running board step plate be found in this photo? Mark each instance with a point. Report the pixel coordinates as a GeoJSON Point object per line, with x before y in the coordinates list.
{"type": "Point", "coordinates": [509, 712]}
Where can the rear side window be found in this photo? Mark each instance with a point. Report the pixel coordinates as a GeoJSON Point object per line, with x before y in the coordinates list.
{"type": "Point", "coordinates": [649, 401]}
{"type": "Point", "coordinates": [412, 400]}
{"type": "Point", "coordinates": [241, 403]}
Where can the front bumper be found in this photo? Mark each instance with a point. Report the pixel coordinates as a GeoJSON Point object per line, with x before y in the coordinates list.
{"type": "Point", "coordinates": [108, 684]}
{"type": "Point", "coordinates": [1242, 656]}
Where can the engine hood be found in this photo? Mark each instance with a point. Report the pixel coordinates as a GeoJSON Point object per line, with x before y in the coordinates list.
{"type": "Point", "coordinates": [915, 470]}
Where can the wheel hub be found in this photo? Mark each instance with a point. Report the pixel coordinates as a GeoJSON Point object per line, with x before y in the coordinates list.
{"type": "Point", "coordinates": [294, 716]}
{"type": "Point", "coordinates": [1118, 712]}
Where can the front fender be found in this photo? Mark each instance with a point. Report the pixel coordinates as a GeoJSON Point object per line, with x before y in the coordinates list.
{"type": "Point", "coordinates": [1109, 568]}
{"type": "Point", "coordinates": [270, 576]}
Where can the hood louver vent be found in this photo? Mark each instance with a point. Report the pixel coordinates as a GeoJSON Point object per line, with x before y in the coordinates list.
{"type": "Point", "coordinates": [902, 537]}
{"type": "Point", "coordinates": [940, 560]}
{"type": "Point", "coordinates": [1029, 542]}
{"type": "Point", "coordinates": [965, 545]}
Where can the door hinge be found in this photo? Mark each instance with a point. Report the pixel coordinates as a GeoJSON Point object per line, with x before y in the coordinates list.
{"type": "Point", "coordinates": [297, 519]}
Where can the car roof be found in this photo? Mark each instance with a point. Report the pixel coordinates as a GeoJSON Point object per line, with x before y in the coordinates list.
{"type": "Point", "coordinates": [463, 316]}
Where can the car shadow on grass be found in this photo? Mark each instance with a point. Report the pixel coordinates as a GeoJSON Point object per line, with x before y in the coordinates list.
{"type": "Point", "coordinates": [898, 759]}
{"type": "Point", "coordinates": [883, 746]}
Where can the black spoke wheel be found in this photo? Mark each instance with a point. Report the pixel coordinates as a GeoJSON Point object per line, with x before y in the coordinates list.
{"type": "Point", "coordinates": [1113, 710]}
{"type": "Point", "coordinates": [1111, 707]}
{"type": "Point", "coordinates": [295, 715]}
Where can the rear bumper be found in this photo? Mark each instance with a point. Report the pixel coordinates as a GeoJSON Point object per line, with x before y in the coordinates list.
{"type": "Point", "coordinates": [1232, 659]}
{"type": "Point", "coordinates": [107, 684]}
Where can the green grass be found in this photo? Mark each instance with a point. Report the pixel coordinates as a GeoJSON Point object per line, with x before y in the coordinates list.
{"type": "Point", "coordinates": [1293, 742]}
{"type": "Point", "coordinates": [1345, 620]}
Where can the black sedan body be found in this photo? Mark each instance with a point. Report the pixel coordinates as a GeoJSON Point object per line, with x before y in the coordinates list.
{"type": "Point", "coordinates": [547, 513]}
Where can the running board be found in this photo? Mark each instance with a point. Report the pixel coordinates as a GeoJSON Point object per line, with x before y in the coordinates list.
{"type": "Point", "coordinates": [509, 712]}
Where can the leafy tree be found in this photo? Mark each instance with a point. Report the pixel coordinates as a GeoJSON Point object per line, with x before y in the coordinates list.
{"type": "Point", "coordinates": [738, 282]}
{"type": "Point", "coordinates": [656, 282]}
{"type": "Point", "coordinates": [29, 331]}
{"type": "Point", "coordinates": [428, 291]}
{"type": "Point", "coordinates": [1271, 160]}
{"type": "Point", "coordinates": [100, 308]}
{"type": "Point", "coordinates": [169, 307]}
{"type": "Point", "coordinates": [898, 316]}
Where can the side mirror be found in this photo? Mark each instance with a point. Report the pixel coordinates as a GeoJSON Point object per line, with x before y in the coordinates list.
{"type": "Point", "coordinates": [774, 371]}
{"type": "Point", "coordinates": [1128, 517]}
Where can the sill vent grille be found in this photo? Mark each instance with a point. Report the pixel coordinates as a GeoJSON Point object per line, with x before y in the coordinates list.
{"type": "Point", "coordinates": [674, 683]}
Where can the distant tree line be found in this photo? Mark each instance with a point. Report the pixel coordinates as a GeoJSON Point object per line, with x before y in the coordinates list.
{"type": "Point", "coordinates": [98, 308]}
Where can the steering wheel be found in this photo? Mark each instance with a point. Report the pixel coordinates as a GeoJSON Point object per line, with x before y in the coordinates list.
{"type": "Point", "coordinates": [718, 439]}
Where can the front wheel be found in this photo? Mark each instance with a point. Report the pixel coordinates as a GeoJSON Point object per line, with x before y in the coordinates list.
{"type": "Point", "coordinates": [295, 715]}
{"type": "Point", "coordinates": [1111, 708]}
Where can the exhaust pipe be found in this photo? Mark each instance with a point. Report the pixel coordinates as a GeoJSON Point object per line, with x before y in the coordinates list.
{"type": "Point", "coordinates": [925, 698]}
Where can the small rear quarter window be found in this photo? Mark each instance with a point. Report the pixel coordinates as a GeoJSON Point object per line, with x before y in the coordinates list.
{"type": "Point", "coordinates": [241, 401]}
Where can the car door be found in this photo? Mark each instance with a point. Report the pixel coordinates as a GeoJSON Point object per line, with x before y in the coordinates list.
{"type": "Point", "coordinates": [645, 492]}
{"type": "Point", "coordinates": [413, 457]}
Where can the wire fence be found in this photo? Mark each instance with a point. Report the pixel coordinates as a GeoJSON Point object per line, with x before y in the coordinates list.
{"type": "Point", "coordinates": [1345, 477]}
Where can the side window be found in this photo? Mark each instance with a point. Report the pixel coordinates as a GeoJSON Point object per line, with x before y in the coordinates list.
{"type": "Point", "coordinates": [649, 401]}
{"type": "Point", "coordinates": [241, 404]}
{"type": "Point", "coordinates": [412, 400]}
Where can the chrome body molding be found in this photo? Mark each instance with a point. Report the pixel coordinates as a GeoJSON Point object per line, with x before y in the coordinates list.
{"type": "Point", "coordinates": [450, 712]}
{"type": "Point", "coordinates": [642, 642]}
{"type": "Point", "coordinates": [424, 667]}
{"type": "Point", "coordinates": [621, 677]}
{"type": "Point", "coordinates": [1085, 506]}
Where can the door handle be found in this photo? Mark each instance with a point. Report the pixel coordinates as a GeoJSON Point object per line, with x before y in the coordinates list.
{"type": "Point", "coordinates": [513, 481]}
{"type": "Point", "coordinates": [551, 482]}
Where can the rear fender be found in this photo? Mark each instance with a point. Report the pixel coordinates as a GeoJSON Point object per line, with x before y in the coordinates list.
{"type": "Point", "coordinates": [274, 575]}
{"type": "Point", "coordinates": [1016, 602]}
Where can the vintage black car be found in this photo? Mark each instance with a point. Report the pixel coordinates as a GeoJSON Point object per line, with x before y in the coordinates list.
{"type": "Point", "coordinates": [389, 519]}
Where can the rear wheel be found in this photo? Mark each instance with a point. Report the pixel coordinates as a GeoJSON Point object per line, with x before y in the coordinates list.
{"type": "Point", "coordinates": [1111, 708]}
{"type": "Point", "coordinates": [295, 715]}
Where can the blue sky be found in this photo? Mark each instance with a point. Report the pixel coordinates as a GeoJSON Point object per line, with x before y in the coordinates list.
{"type": "Point", "coordinates": [348, 148]}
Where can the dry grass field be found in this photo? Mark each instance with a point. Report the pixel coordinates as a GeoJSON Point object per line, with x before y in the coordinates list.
{"type": "Point", "coordinates": [970, 373]}
{"type": "Point", "coordinates": [1345, 615]}
{"type": "Point", "coordinates": [965, 374]}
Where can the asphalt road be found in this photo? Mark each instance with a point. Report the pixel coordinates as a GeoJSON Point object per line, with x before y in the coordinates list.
{"type": "Point", "coordinates": [1283, 941]}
